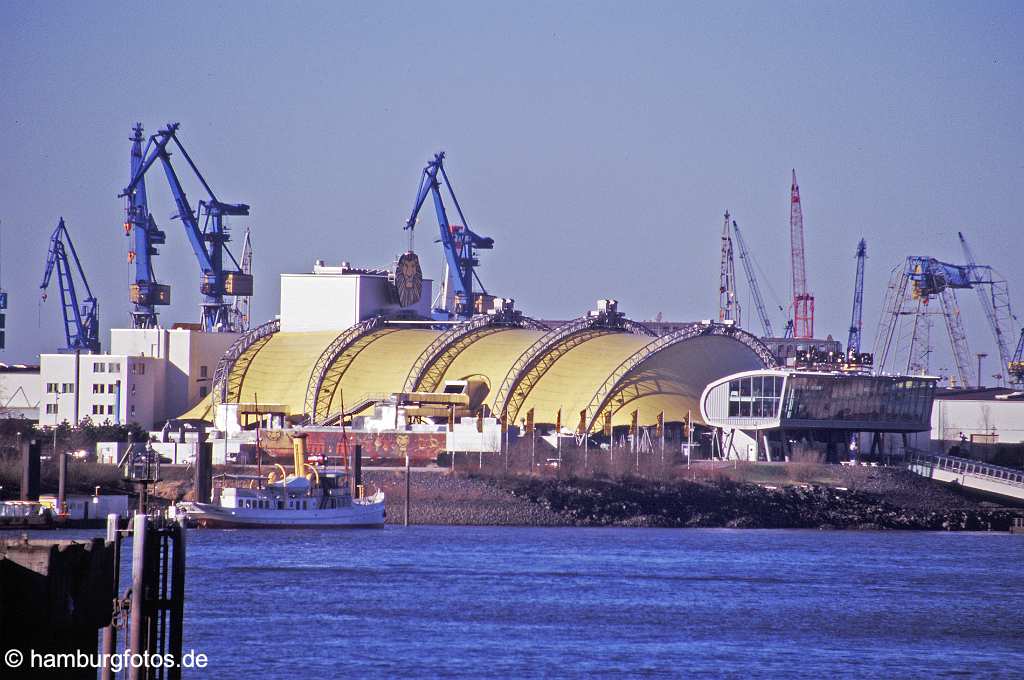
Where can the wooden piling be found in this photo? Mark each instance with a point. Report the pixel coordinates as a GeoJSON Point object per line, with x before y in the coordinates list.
{"type": "Point", "coordinates": [62, 474]}
{"type": "Point", "coordinates": [30, 452]}
{"type": "Point", "coordinates": [109, 641]}
{"type": "Point", "coordinates": [177, 598]}
{"type": "Point", "coordinates": [136, 639]}
{"type": "Point", "coordinates": [204, 473]}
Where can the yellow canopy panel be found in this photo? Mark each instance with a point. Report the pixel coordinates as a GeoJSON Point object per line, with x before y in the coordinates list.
{"type": "Point", "coordinates": [490, 357]}
{"type": "Point", "coordinates": [670, 380]}
{"type": "Point", "coordinates": [571, 382]}
{"type": "Point", "coordinates": [381, 367]}
{"type": "Point", "coordinates": [279, 373]}
{"type": "Point", "coordinates": [201, 411]}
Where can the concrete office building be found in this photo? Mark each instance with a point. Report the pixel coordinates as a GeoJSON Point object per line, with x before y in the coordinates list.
{"type": "Point", "coordinates": [148, 376]}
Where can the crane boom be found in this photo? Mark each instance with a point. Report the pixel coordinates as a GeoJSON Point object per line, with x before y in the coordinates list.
{"type": "Point", "coordinates": [995, 301]}
{"type": "Point", "coordinates": [803, 301]}
{"type": "Point", "coordinates": [728, 302]}
{"type": "Point", "coordinates": [81, 321]}
{"type": "Point", "coordinates": [755, 289]}
{"type": "Point", "coordinates": [458, 241]}
{"type": "Point", "coordinates": [856, 316]}
{"type": "Point", "coordinates": [145, 293]}
{"type": "Point", "coordinates": [209, 242]}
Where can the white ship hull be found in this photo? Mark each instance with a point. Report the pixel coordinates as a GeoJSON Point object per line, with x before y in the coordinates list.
{"type": "Point", "coordinates": [362, 513]}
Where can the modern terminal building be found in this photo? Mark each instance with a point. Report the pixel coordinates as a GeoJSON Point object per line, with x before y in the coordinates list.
{"type": "Point", "coordinates": [787, 414]}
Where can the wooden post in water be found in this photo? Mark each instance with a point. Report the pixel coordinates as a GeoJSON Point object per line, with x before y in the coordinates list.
{"type": "Point", "coordinates": [203, 484]}
{"type": "Point", "coordinates": [62, 474]}
{"type": "Point", "coordinates": [109, 647]}
{"type": "Point", "coordinates": [137, 633]}
{"type": "Point", "coordinates": [30, 451]}
{"type": "Point", "coordinates": [177, 597]}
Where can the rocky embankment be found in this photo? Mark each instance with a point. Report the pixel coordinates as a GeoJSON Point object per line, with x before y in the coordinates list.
{"type": "Point", "coordinates": [820, 497]}
{"type": "Point", "coordinates": [724, 503]}
{"type": "Point", "coordinates": [441, 498]}
{"type": "Point", "coordinates": [876, 499]}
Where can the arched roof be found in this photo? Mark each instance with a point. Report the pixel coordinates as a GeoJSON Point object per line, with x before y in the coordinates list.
{"type": "Point", "coordinates": [592, 367]}
{"type": "Point", "coordinates": [492, 356]}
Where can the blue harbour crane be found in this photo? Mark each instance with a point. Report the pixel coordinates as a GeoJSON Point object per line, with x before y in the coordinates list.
{"type": "Point", "coordinates": [857, 315]}
{"type": "Point", "coordinates": [81, 319]}
{"type": "Point", "coordinates": [145, 293]}
{"type": "Point", "coordinates": [459, 242]}
{"type": "Point", "coordinates": [205, 228]}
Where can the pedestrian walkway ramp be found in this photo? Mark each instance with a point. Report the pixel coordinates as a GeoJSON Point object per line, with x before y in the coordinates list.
{"type": "Point", "coordinates": [1006, 483]}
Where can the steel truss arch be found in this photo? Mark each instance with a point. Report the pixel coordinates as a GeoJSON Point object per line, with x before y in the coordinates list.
{"type": "Point", "coordinates": [615, 391]}
{"type": "Point", "coordinates": [548, 349]}
{"type": "Point", "coordinates": [332, 364]}
{"type": "Point", "coordinates": [232, 366]}
{"type": "Point", "coordinates": [435, 360]}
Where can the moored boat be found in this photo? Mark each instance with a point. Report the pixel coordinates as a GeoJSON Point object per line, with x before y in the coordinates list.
{"type": "Point", "coordinates": [318, 498]}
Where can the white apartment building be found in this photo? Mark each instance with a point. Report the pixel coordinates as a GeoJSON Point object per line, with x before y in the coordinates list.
{"type": "Point", "coordinates": [149, 375]}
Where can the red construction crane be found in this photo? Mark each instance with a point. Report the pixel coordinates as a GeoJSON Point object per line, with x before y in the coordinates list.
{"type": "Point", "coordinates": [803, 301]}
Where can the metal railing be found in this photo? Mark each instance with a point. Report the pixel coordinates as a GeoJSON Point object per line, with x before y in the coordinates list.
{"type": "Point", "coordinates": [974, 468]}
{"type": "Point", "coordinates": [360, 404]}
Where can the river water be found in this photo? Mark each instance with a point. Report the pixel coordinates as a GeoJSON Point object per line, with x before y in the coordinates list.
{"type": "Point", "coordinates": [523, 602]}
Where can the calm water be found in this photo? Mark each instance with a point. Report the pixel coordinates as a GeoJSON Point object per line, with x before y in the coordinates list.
{"type": "Point", "coordinates": [477, 601]}
{"type": "Point", "coordinates": [501, 602]}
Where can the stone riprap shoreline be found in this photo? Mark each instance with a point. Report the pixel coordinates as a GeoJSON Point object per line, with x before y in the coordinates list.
{"type": "Point", "coordinates": [885, 499]}
{"type": "Point", "coordinates": [744, 496]}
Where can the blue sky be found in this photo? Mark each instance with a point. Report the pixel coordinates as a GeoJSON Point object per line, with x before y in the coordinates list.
{"type": "Point", "coordinates": [598, 143]}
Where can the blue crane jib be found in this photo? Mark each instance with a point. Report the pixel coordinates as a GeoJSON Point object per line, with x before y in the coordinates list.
{"type": "Point", "coordinates": [930, 276]}
{"type": "Point", "coordinates": [144, 292]}
{"type": "Point", "coordinates": [204, 226]}
{"type": "Point", "coordinates": [459, 242]}
{"type": "Point", "coordinates": [81, 320]}
{"type": "Point", "coordinates": [857, 315]}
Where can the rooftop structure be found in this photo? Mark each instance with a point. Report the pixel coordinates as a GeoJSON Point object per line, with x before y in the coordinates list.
{"type": "Point", "coordinates": [333, 298]}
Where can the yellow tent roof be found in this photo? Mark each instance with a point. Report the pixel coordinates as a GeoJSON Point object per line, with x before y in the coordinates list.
{"type": "Point", "coordinates": [670, 380]}
{"type": "Point", "coordinates": [381, 367]}
{"type": "Point", "coordinates": [491, 356]}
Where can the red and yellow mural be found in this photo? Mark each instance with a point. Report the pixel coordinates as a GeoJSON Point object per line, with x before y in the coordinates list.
{"type": "Point", "coordinates": [378, 447]}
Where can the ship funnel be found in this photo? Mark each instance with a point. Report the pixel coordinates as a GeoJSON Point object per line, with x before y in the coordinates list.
{"type": "Point", "coordinates": [299, 453]}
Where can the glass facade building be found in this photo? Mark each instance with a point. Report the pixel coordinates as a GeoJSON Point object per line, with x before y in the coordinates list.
{"type": "Point", "coordinates": [792, 399]}
{"type": "Point", "coordinates": [880, 402]}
